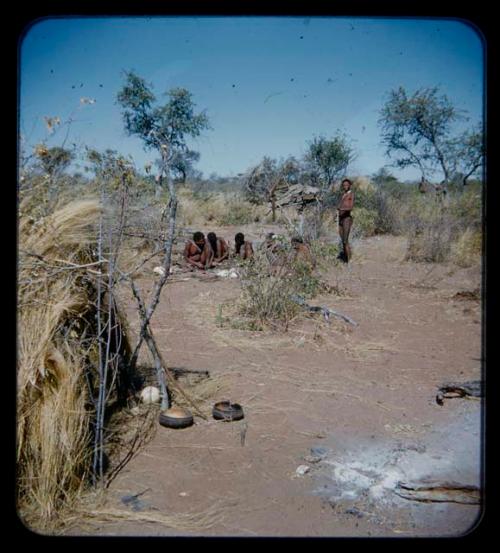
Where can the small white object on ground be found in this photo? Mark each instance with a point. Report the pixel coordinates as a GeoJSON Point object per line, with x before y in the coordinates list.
{"type": "Point", "coordinates": [227, 273]}
{"type": "Point", "coordinates": [301, 470]}
{"type": "Point", "coordinates": [150, 394]}
{"type": "Point", "coordinates": [159, 271]}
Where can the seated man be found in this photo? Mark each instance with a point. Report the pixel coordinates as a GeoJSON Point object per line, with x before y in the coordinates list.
{"type": "Point", "coordinates": [198, 252]}
{"type": "Point", "coordinates": [302, 253]}
{"type": "Point", "coordinates": [219, 247]}
{"type": "Point", "coordinates": [239, 242]}
{"type": "Point", "coordinates": [275, 253]}
{"type": "Point", "coordinates": [271, 246]}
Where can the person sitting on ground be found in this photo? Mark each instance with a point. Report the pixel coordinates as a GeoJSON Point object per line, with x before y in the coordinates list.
{"type": "Point", "coordinates": [344, 208]}
{"type": "Point", "coordinates": [274, 252]}
{"type": "Point", "coordinates": [302, 253]}
{"type": "Point", "coordinates": [219, 247]}
{"type": "Point", "coordinates": [270, 244]}
{"type": "Point", "coordinates": [198, 252]}
{"type": "Point", "coordinates": [242, 248]}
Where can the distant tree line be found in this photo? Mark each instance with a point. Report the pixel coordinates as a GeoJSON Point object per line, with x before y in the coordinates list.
{"type": "Point", "coordinates": [418, 130]}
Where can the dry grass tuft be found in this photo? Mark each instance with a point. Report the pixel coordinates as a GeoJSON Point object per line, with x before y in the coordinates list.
{"type": "Point", "coordinates": [203, 393]}
{"type": "Point", "coordinates": [183, 522]}
{"type": "Point", "coordinates": [55, 302]}
{"type": "Point", "coordinates": [466, 251]}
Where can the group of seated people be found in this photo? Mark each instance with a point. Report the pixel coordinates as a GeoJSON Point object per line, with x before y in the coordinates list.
{"type": "Point", "coordinates": [206, 253]}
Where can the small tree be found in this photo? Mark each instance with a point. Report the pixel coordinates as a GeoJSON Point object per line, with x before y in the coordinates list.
{"type": "Point", "coordinates": [112, 171]}
{"type": "Point", "coordinates": [260, 179]}
{"type": "Point", "coordinates": [291, 170]}
{"type": "Point", "coordinates": [416, 131]}
{"type": "Point", "coordinates": [163, 128]}
{"type": "Point", "coordinates": [328, 160]}
{"type": "Point", "coordinates": [54, 161]}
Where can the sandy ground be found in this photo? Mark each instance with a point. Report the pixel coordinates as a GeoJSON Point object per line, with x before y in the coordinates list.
{"type": "Point", "coordinates": [355, 405]}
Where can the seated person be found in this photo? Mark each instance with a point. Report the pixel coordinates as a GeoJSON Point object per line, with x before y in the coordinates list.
{"type": "Point", "coordinates": [219, 247]}
{"type": "Point", "coordinates": [270, 245]}
{"type": "Point", "coordinates": [302, 253]}
{"type": "Point", "coordinates": [275, 253]}
{"type": "Point", "coordinates": [198, 252]}
{"type": "Point", "coordinates": [242, 247]}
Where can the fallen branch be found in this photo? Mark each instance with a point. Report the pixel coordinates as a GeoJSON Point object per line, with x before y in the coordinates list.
{"type": "Point", "coordinates": [450, 390]}
{"type": "Point", "coordinates": [441, 492]}
{"type": "Point", "coordinates": [326, 311]}
{"type": "Point", "coordinates": [180, 371]}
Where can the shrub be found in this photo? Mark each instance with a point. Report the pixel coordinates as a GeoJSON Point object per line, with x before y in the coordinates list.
{"type": "Point", "coordinates": [364, 222]}
{"type": "Point", "coordinates": [383, 203]}
{"type": "Point", "coordinates": [466, 206]}
{"type": "Point", "coordinates": [266, 297]}
{"type": "Point", "coordinates": [466, 250]}
{"type": "Point", "coordinates": [439, 232]}
{"type": "Point", "coordinates": [267, 290]}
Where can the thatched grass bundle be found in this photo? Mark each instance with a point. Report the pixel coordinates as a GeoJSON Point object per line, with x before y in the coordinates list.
{"type": "Point", "coordinates": [56, 301]}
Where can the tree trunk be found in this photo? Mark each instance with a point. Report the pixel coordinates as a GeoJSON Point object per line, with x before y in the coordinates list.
{"type": "Point", "coordinates": [172, 212]}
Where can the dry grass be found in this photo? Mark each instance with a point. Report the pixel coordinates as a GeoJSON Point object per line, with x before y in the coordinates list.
{"type": "Point", "coordinates": [439, 232]}
{"type": "Point", "coordinates": [203, 393]}
{"type": "Point", "coordinates": [94, 511]}
{"type": "Point", "coordinates": [226, 209]}
{"type": "Point", "coordinates": [218, 209]}
{"type": "Point", "coordinates": [52, 411]}
{"type": "Point", "coordinates": [466, 251]}
{"type": "Point", "coordinates": [182, 522]}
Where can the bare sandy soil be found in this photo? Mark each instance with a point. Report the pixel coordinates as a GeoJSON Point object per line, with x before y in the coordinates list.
{"type": "Point", "coordinates": [356, 405]}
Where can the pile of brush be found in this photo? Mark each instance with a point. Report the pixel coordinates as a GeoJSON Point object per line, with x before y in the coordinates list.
{"type": "Point", "coordinates": [56, 342]}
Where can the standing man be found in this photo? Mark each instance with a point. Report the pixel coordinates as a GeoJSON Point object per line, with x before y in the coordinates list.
{"type": "Point", "coordinates": [344, 208]}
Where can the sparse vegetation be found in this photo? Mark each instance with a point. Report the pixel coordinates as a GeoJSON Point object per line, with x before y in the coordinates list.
{"type": "Point", "coordinates": [68, 246]}
{"type": "Point", "coordinates": [268, 290]}
{"type": "Point", "coordinates": [436, 230]}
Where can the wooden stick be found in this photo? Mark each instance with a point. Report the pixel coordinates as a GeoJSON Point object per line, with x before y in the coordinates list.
{"type": "Point", "coordinates": [326, 311]}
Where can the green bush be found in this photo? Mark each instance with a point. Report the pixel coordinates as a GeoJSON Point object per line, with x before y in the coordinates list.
{"type": "Point", "coordinates": [364, 222]}
{"type": "Point", "coordinates": [383, 203]}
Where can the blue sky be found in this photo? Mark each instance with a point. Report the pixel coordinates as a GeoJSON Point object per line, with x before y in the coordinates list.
{"type": "Point", "coordinates": [268, 84]}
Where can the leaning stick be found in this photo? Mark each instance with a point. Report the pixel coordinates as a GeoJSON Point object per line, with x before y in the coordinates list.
{"type": "Point", "coordinates": [159, 362]}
